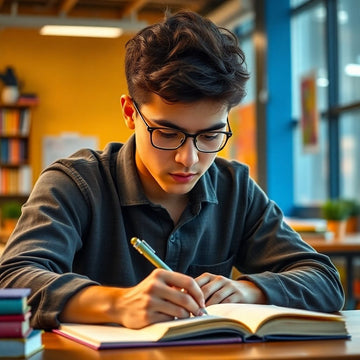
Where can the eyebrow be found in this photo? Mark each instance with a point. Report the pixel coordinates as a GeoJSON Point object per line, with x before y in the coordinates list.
{"type": "Point", "coordinates": [168, 124]}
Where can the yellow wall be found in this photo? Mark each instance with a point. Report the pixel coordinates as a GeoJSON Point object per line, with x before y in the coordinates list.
{"type": "Point", "coordinates": [78, 80]}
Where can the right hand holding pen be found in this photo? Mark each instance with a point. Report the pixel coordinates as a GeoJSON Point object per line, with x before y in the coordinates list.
{"type": "Point", "coordinates": [158, 298]}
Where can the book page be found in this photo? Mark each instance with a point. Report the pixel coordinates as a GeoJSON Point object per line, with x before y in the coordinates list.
{"type": "Point", "coordinates": [254, 315]}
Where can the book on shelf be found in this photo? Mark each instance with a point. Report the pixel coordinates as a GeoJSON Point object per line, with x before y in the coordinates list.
{"type": "Point", "coordinates": [17, 325]}
{"type": "Point", "coordinates": [14, 121]}
{"type": "Point", "coordinates": [13, 151]}
{"type": "Point", "coordinates": [15, 181]}
{"type": "Point", "coordinates": [21, 347]}
{"type": "Point", "coordinates": [28, 99]}
{"type": "Point", "coordinates": [225, 323]}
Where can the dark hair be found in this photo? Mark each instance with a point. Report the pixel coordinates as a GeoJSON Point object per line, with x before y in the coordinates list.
{"type": "Point", "coordinates": [186, 58]}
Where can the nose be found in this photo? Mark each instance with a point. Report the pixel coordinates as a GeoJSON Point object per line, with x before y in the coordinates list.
{"type": "Point", "coordinates": [187, 154]}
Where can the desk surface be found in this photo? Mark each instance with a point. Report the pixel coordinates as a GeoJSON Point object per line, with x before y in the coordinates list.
{"type": "Point", "coordinates": [350, 244]}
{"type": "Point", "coordinates": [60, 348]}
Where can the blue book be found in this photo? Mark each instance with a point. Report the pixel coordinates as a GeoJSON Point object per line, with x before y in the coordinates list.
{"type": "Point", "coordinates": [14, 301]}
{"type": "Point", "coordinates": [21, 347]}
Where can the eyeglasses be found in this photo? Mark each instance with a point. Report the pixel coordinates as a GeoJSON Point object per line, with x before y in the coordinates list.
{"type": "Point", "coordinates": [165, 138]}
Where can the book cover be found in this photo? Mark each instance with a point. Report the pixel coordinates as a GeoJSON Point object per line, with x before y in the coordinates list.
{"type": "Point", "coordinates": [21, 347]}
{"type": "Point", "coordinates": [14, 301]}
{"type": "Point", "coordinates": [15, 325]}
{"type": "Point", "coordinates": [226, 322]}
{"type": "Point", "coordinates": [12, 293]}
{"type": "Point", "coordinates": [13, 306]}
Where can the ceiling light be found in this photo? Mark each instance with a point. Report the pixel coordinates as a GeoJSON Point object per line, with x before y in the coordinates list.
{"type": "Point", "coordinates": [83, 31]}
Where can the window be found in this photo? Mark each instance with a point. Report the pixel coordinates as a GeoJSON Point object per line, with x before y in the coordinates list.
{"type": "Point", "coordinates": [325, 43]}
{"type": "Point", "coordinates": [350, 155]}
{"type": "Point", "coordinates": [308, 57]}
{"type": "Point", "coordinates": [349, 51]}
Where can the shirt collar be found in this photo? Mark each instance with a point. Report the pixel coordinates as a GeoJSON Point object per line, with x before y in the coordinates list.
{"type": "Point", "coordinates": [130, 188]}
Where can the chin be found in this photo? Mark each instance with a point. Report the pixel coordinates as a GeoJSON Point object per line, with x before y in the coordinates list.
{"type": "Point", "coordinates": [178, 189]}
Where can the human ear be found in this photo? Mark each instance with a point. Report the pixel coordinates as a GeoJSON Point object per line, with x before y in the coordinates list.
{"type": "Point", "coordinates": [128, 111]}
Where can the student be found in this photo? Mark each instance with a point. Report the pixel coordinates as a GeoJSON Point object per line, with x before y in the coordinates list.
{"type": "Point", "coordinates": [203, 215]}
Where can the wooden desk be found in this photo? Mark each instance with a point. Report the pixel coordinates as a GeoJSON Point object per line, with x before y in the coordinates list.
{"type": "Point", "coordinates": [60, 348]}
{"type": "Point", "coordinates": [349, 248]}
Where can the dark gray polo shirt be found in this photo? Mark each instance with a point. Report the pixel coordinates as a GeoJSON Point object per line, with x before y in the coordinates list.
{"type": "Point", "coordinates": [76, 227]}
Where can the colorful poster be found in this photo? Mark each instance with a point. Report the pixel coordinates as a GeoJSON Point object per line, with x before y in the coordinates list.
{"type": "Point", "coordinates": [309, 114]}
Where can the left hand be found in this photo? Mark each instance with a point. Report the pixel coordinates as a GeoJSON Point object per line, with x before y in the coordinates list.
{"type": "Point", "coordinates": [219, 289]}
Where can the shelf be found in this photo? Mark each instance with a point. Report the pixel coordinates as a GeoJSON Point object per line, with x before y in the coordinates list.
{"type": "Point", "coordinates": [15, 171]}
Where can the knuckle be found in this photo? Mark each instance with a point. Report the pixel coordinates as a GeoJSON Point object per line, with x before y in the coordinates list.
{"type": "Point", "coordinates": [157, 274]}
{"type": "Point", "coordinates": [181, 313]}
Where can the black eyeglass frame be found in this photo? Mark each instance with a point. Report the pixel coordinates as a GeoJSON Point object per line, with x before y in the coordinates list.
{"type": "Point", "coordinates": [151, 129]}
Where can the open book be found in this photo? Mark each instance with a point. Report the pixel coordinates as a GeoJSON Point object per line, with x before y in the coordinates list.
{"type": "Point", "coordinates": [225, 323]}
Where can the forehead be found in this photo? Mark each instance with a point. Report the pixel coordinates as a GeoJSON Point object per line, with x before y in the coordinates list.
{"type": "Point", "coordinates": [190, 116]}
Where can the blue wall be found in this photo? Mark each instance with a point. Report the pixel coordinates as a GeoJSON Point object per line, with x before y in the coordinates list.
{"type": "Point", "coordinates": [279, 151]}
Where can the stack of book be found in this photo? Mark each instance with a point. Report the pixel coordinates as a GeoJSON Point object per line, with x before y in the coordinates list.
{"type": "Point", "coordinates": [17, 338]}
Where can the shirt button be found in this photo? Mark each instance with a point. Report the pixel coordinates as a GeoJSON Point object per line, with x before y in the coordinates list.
{"type": "Point", "coordinates": [172, 238]}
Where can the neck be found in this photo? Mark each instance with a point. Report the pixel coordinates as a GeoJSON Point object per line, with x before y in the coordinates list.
{"type": "Point", "coordinates": [175, 204]}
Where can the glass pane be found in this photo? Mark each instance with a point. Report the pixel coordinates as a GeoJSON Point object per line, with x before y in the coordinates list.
{"type": "Point", "coordinates": [309, 56]}
{"type": "Point", "coordinates": [247, 47]}
{"type": "Point", "coordinates": [349, 51]}
{"type": "Point", "coordinates": [350, 155]}
{"type": "Point", "coordinates": [311, 170]}
{"type": "Point", "coordinates": [296, 3]}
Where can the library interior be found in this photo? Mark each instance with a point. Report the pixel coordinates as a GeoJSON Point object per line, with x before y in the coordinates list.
{"type": "Point", "coordinates": [298, 127]}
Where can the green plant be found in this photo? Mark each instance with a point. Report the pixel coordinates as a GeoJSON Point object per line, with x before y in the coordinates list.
{"type": "Point", "coordinates": [11, 210]}
{"type": "Point", "coordinates": [335, 210]}
{"type": "Point", "coordinates": [354, 207]}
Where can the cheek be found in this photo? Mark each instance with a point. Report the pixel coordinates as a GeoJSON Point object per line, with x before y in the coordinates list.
{"type": "Point", "coordinates": [206, 160]}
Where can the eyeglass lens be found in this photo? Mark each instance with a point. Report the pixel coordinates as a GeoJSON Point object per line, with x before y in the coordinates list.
{"type": "Point", "coordinates": [172, 139]}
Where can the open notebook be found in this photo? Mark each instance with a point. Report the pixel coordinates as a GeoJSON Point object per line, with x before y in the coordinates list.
{"type": "Point", "coordinates": [225, 323]}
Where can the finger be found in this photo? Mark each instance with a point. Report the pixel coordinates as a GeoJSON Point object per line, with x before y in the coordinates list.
{"type": "Point", "coordinates": [184, 301]}
{"type": "Point", "coordinates": [169, 310]}
{"type": "Point", "coordinates": [190, 286]}
{"type": "Point", "coordinates": [233, 298]}
{"type": "Point", "coordinates": [203, 279]}
{"type": "Point", "coordinates": [222, 295]}
{"type": "Point", "coordinates": [216, 283]}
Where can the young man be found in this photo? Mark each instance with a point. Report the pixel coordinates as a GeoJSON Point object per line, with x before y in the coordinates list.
{"type": "Point", "coordinates": [202, 214]}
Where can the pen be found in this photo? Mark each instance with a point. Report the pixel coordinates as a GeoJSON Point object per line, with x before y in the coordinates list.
{"type": "Point", "coordinates": [147, 251]}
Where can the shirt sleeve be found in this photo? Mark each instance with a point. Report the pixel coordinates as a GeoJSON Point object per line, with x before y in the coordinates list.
{"type": "Point", "coordinates": [40, 252]}
{"type": "Point", "coordinates": [289, 271]}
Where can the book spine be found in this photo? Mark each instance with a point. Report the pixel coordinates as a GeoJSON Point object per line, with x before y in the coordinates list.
{"type": "Point", "coordinates": [12, 306]}
{"type": "Point", "coordinates": [14, 329]}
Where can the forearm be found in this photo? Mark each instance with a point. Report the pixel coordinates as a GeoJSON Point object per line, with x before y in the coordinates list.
{"type": "Point", "coordinates": [93, 304]}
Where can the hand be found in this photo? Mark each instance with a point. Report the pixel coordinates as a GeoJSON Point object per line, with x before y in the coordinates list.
{"type": "Point", "coordinates": [159, 298]}
{"type": "Point", "coordinates": [219, 289]}
{"type": "Point", "coordinates": [162, 296]}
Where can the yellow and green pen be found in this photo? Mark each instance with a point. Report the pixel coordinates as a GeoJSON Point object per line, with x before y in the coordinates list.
{"type": "Point", "coordinates": [147, 251]}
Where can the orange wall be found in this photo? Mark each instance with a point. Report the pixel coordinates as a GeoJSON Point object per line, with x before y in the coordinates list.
{"type": "Point", "coordinates": [78, 80]}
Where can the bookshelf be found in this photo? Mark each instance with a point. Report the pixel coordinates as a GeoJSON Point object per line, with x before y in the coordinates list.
{"type": "Point", "coordinates": [15, 170]}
